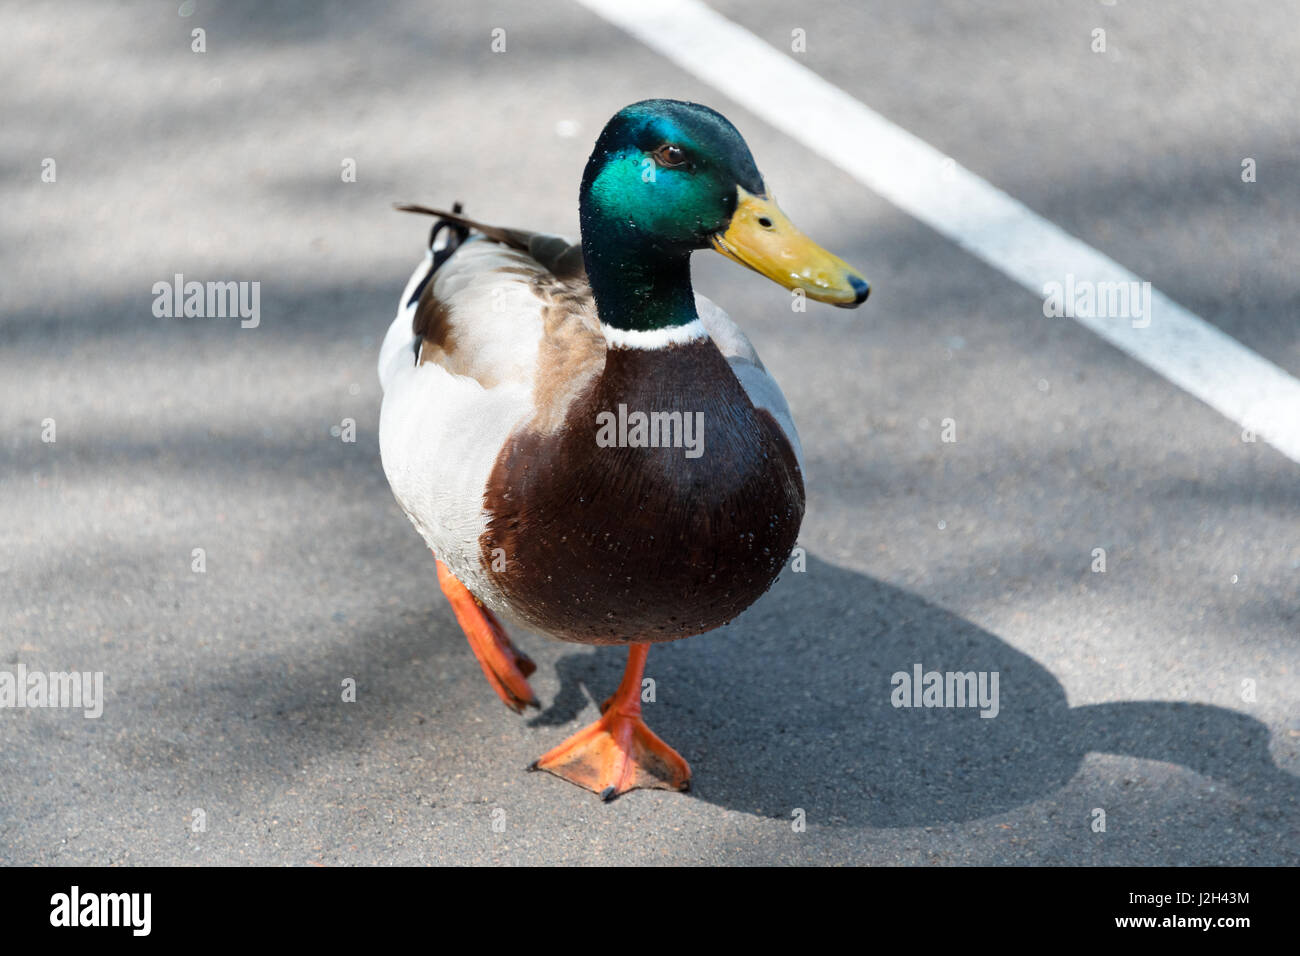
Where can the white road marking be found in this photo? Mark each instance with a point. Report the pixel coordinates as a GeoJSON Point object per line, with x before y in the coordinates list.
{"type": "Point", "coordinates": [1184, 348]}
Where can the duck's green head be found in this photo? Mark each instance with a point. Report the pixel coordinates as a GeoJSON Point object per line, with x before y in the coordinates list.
{"type": "Point", "coordinates": [667, 178]}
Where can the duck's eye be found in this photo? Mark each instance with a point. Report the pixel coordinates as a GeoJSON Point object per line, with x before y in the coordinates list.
{"type": "Point", "coordinates": [670, 156]}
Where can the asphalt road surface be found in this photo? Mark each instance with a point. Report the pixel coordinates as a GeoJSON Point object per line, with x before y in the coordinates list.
{"type": "Point", "coordinates": [1161, 693]}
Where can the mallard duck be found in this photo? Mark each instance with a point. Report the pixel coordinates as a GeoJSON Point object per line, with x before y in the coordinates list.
{"type": "Point", "coordinates": [589, 447]}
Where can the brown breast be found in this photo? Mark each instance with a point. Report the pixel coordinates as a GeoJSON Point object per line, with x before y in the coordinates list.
{"type": "Point", "coordinates": [609, 545]}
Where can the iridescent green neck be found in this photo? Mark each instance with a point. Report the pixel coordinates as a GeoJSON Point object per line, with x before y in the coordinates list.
{"type": "Point", "coordinates": [637, 287]}
{"type": "Point", "coordinates": [640, 281]}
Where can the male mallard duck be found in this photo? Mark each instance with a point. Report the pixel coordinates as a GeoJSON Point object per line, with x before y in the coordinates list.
{"type": "Point", "coordinates": [585, 444]}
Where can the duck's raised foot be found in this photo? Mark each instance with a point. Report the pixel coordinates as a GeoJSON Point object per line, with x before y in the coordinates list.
{"type": "Point", "coordinates": [616, 754]}
{"type": "Point", "coordinates": [504, 665]}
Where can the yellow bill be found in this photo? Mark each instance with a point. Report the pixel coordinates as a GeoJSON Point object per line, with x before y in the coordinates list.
{"type": "Point", "coordinates": [763, 238]}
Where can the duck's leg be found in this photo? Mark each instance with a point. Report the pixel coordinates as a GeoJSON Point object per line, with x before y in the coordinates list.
{"type": "Point", "coordinates": [505, 666]}
{"type": "Point", "coordinates": [619, 752]}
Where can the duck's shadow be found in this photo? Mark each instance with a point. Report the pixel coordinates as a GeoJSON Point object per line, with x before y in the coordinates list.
{"type": "Point", "coordinates": [790, 707]}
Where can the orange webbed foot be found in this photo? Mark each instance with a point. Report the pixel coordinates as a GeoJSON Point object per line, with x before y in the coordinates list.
{"type": "Point", "coordinates": [504, 665]}
{"type": "Point", "coordinates": [619, 752]}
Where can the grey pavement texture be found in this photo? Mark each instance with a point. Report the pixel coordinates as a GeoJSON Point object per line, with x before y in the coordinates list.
{"type": "Point", "coordinates": [1121, 691]}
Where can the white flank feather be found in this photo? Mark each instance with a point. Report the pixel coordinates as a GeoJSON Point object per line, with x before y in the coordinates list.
{"type": "Point", "coordinates": [440, 432]}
